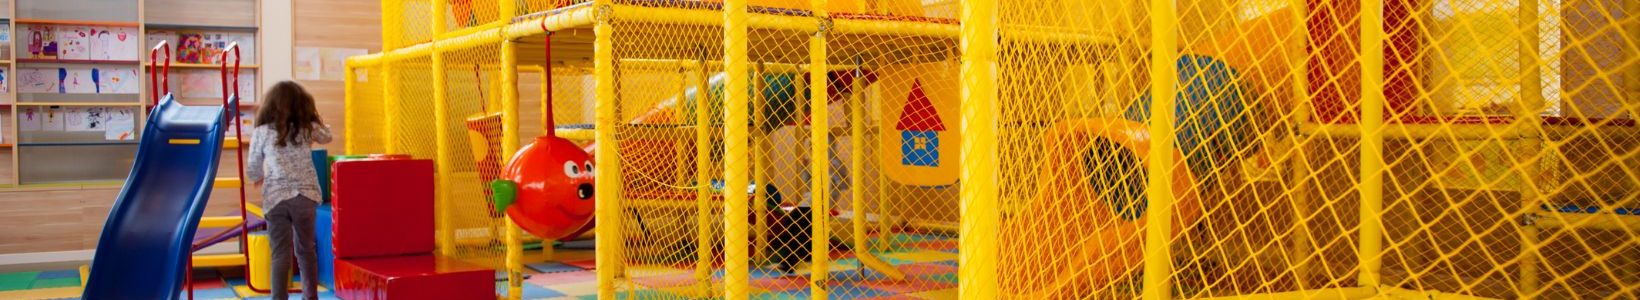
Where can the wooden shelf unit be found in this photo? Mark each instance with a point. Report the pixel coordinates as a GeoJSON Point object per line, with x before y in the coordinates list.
{"type": "Point", "coordinates": [226, 16]}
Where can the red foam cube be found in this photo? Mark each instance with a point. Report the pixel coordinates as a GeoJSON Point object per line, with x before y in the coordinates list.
{"type": "Point", "coordinates": [382, 207]}
{"type": "Point", "coordinates": [412, 277]}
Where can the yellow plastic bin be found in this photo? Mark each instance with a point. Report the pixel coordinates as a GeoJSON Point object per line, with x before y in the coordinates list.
{"type": "Point", "coordinates": [261, 260]}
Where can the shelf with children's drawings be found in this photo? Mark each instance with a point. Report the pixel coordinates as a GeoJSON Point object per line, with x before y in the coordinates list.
{"type": "Point", "coordinates": [203, 46]}
{"type": "Point", "coordinates": [74, 125]}
{"type": "Point", "coordinates": [98, 43]}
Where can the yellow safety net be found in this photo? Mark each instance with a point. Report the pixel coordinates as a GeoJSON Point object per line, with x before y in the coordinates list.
{"type": "Point", "coordinates": [1294, 149]}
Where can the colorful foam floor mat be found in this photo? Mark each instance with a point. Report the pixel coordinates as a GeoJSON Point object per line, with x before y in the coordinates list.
{"type": "Point", "coordinates": [930, 264]}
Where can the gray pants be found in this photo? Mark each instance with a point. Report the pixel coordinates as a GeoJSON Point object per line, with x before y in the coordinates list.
{"type": "Point", "coordinates": [295, 214]}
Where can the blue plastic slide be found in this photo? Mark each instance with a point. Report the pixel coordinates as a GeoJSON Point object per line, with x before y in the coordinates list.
{"type": "Point", "coordinates": [144, 248]}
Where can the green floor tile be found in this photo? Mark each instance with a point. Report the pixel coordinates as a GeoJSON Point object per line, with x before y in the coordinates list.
{"type": "Point", "coordinates": [17, 281]}
{"type": "Point", "coordinates": [55, 283]}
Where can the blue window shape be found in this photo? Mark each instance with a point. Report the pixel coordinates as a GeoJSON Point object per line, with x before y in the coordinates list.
{"type": "Point", "coordinates": [920, 148]}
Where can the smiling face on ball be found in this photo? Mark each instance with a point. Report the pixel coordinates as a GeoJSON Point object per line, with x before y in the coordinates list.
{"type": "Point", "coordinates": [555, 187]}
{"type": "Point", "coordinates": [576, 188]}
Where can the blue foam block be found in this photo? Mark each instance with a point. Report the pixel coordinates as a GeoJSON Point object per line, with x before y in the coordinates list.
{"type": "Point", "coordinates": [327, 259]}
{"type": "Point", "coordinates": [321, 166]}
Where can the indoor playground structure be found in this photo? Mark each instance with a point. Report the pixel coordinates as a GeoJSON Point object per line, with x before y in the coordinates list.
{"type": "Point", "coordinates": [986, 149]}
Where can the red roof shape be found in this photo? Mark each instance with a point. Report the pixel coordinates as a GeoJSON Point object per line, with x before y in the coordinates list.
{"type": "Point", "coordinates": [918, 114]}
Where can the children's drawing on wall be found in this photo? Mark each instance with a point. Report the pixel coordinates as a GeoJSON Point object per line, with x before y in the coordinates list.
{"type": "Point", "coordinates": [116, 80]}
{"type": "Point", "coordinates": [5, 82]}
{"type": "Point", "coordinates": [120, 122]}
{"type": "Point", "coordinates": [36, 81]}
{"type": "Point", "coordinates": [199, 84]}
{"type": "Point", "coordinates": [30, 119]}
{"type": "Point", "coordinates": [73, 43]}
{"type": "Point", "coordinates": [77, 81]}
{"type": "Point", "coordinates": [84, 119]}
{"type": "Point", "coordinates": [42, 42]}
{"type": "Point", "coordinates": [113, 43]}
{"type": "Point", "coordinates": [53, 119]}
{"type": "Point", "coordinates": [189, 47]}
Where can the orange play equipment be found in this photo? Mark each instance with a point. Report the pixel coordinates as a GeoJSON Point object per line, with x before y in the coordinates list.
{"type": "Point", "coordinates": [547, 188]}
{"type": "Point", "coordinates": [1090, 230]}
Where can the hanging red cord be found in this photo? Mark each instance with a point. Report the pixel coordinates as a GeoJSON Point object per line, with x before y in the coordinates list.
{"type": "Point", "coordinates": [547, 114]}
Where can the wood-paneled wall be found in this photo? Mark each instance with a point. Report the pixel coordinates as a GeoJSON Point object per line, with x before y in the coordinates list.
{"type": "Point", "coordinates": [336, 24]}
{"type": "Point", "coordinates": [50, 219]}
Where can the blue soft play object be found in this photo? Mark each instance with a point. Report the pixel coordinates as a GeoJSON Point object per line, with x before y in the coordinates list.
{"type": "Point", "coordinates": [144, 248]}
{"type": "Point", "coordinates": [321, 233]}
{"type": "Point", "coordinates": [1210, 113]}
{"type": "Point", "coordinates": [321, 164]}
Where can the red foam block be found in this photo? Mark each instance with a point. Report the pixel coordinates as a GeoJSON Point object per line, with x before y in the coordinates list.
{"type": "Point", "coordinates": [382, 207]}
{"type": "Point", "coordinates": [412, 277]}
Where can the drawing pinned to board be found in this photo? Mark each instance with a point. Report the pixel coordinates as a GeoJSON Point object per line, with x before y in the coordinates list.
{"type": "Point", "coordinates": [73, 43]}
{"type": "Point", "coordinates": [113, 43]}
{"type": "Point", "coordinates": [36, 81]}
{"type": "Point", "coordinates": [319, 63]}
{"type": "Point", "coordinates": [118, 123]}
{"type": "Point", "coordinates": [53, 119]}
{"type": "Point", "coordinates": [42, 41]}
{"type": "Point", "coordinates": [208, 85]}
{"type": "Point", "coordinates": [30, 119]}
{"type": "Point", "coordinates": [76, 81]}
{"type": "Point", "coordinates": [308, 65]}
{"type": "Point", "coordinates": [5, 82]}
{"type": "Point", "coordinates": [116, 80]}
{"type": "Point", "coordinates": [83, 119]}
{"type": "Point", "coordinates": [189, 45]}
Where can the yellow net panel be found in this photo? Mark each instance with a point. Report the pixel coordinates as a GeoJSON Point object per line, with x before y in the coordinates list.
{"type": "Point", "coordinates": [1502, 164]}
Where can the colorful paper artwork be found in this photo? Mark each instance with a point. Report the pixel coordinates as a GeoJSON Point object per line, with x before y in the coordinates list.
{"type": "Point", "coordinates": [206, 47]}
{"type": "Point", "coordinates": [117, 43]}
{"type": "Point", "coordinates": [73, 43]}
{"type": "Point", "coordinates": [42, 41]}
{"type": "Point", "coordinates": [5, 82]}
{"type": "Point", "coordinates": [53, 119]}
{"type": "Point", "coordinates": [317, 63]}
{"type": "Point", "coordinates": [81, 42]}
{"type": "Point", "coordinates": [36, 80]}
{"type": "Point", "coordinates": [78, 80]}
{"type": "Point", "coordinates": [208, 84]}
{"type": "Point", "coordinates": [30, 119]}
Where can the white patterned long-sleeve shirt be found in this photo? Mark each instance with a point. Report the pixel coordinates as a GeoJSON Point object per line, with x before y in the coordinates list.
{"type": "Point", "coordinates": [284, 171]}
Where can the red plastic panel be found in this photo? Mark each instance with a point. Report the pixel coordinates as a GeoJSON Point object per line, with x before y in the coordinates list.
{"type": "Point", "coordinates": [382, 207]}
{"type": "Point", "coordinates": [412, 277]}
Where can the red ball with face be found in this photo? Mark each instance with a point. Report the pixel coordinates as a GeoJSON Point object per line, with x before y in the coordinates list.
{"type": "Point", "coordinates": [554, 179]}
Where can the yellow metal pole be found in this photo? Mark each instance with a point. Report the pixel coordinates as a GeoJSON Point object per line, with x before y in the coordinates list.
{"type": "Point", "coordinates": [735, 61]}
{"type": "Point", "coordinates": [760, 165]}
{"type": "Point", "coordinates": [857, 163]}
{"type": "Point", "coordinates": [819, 158]}
{"type": "Point", "coordinates": [509, 146]}
{"type": "Point", "coordinates": [703, 181]}
{"type": "Point", "coordinates": [391, 23]}
{"type": "Point", "coordinates": [980, 213]}
{"type": "Point", "coordinates": [1298, 163]}
{"type": "Point", "coordinates": [350, 135]}
{"type": "Point", "coordinates": [885, 217]}
{"type": "Point", "coordinates": [1164, 75]}
{"type": "Point", "coordinates": [1526, 118]}
{"type": "Point", "coordinates": [1370, 241]}
{"type": "Point", "coordinates": [608, 205]}
{"type": "Point", "coordinates": [441, 136]}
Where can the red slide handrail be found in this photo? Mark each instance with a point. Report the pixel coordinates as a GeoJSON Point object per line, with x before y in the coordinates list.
{"type": "Point", "coordinates": [156, 87]}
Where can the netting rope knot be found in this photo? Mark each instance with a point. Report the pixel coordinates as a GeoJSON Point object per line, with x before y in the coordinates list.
{"type": "Point", "coordinates": [604, 13]}
{"type": "Point", "coordinates": [824, 26]}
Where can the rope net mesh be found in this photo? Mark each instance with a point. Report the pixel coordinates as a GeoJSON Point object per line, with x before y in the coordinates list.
{"type": "Point", "coordinates": [1508, 145]}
